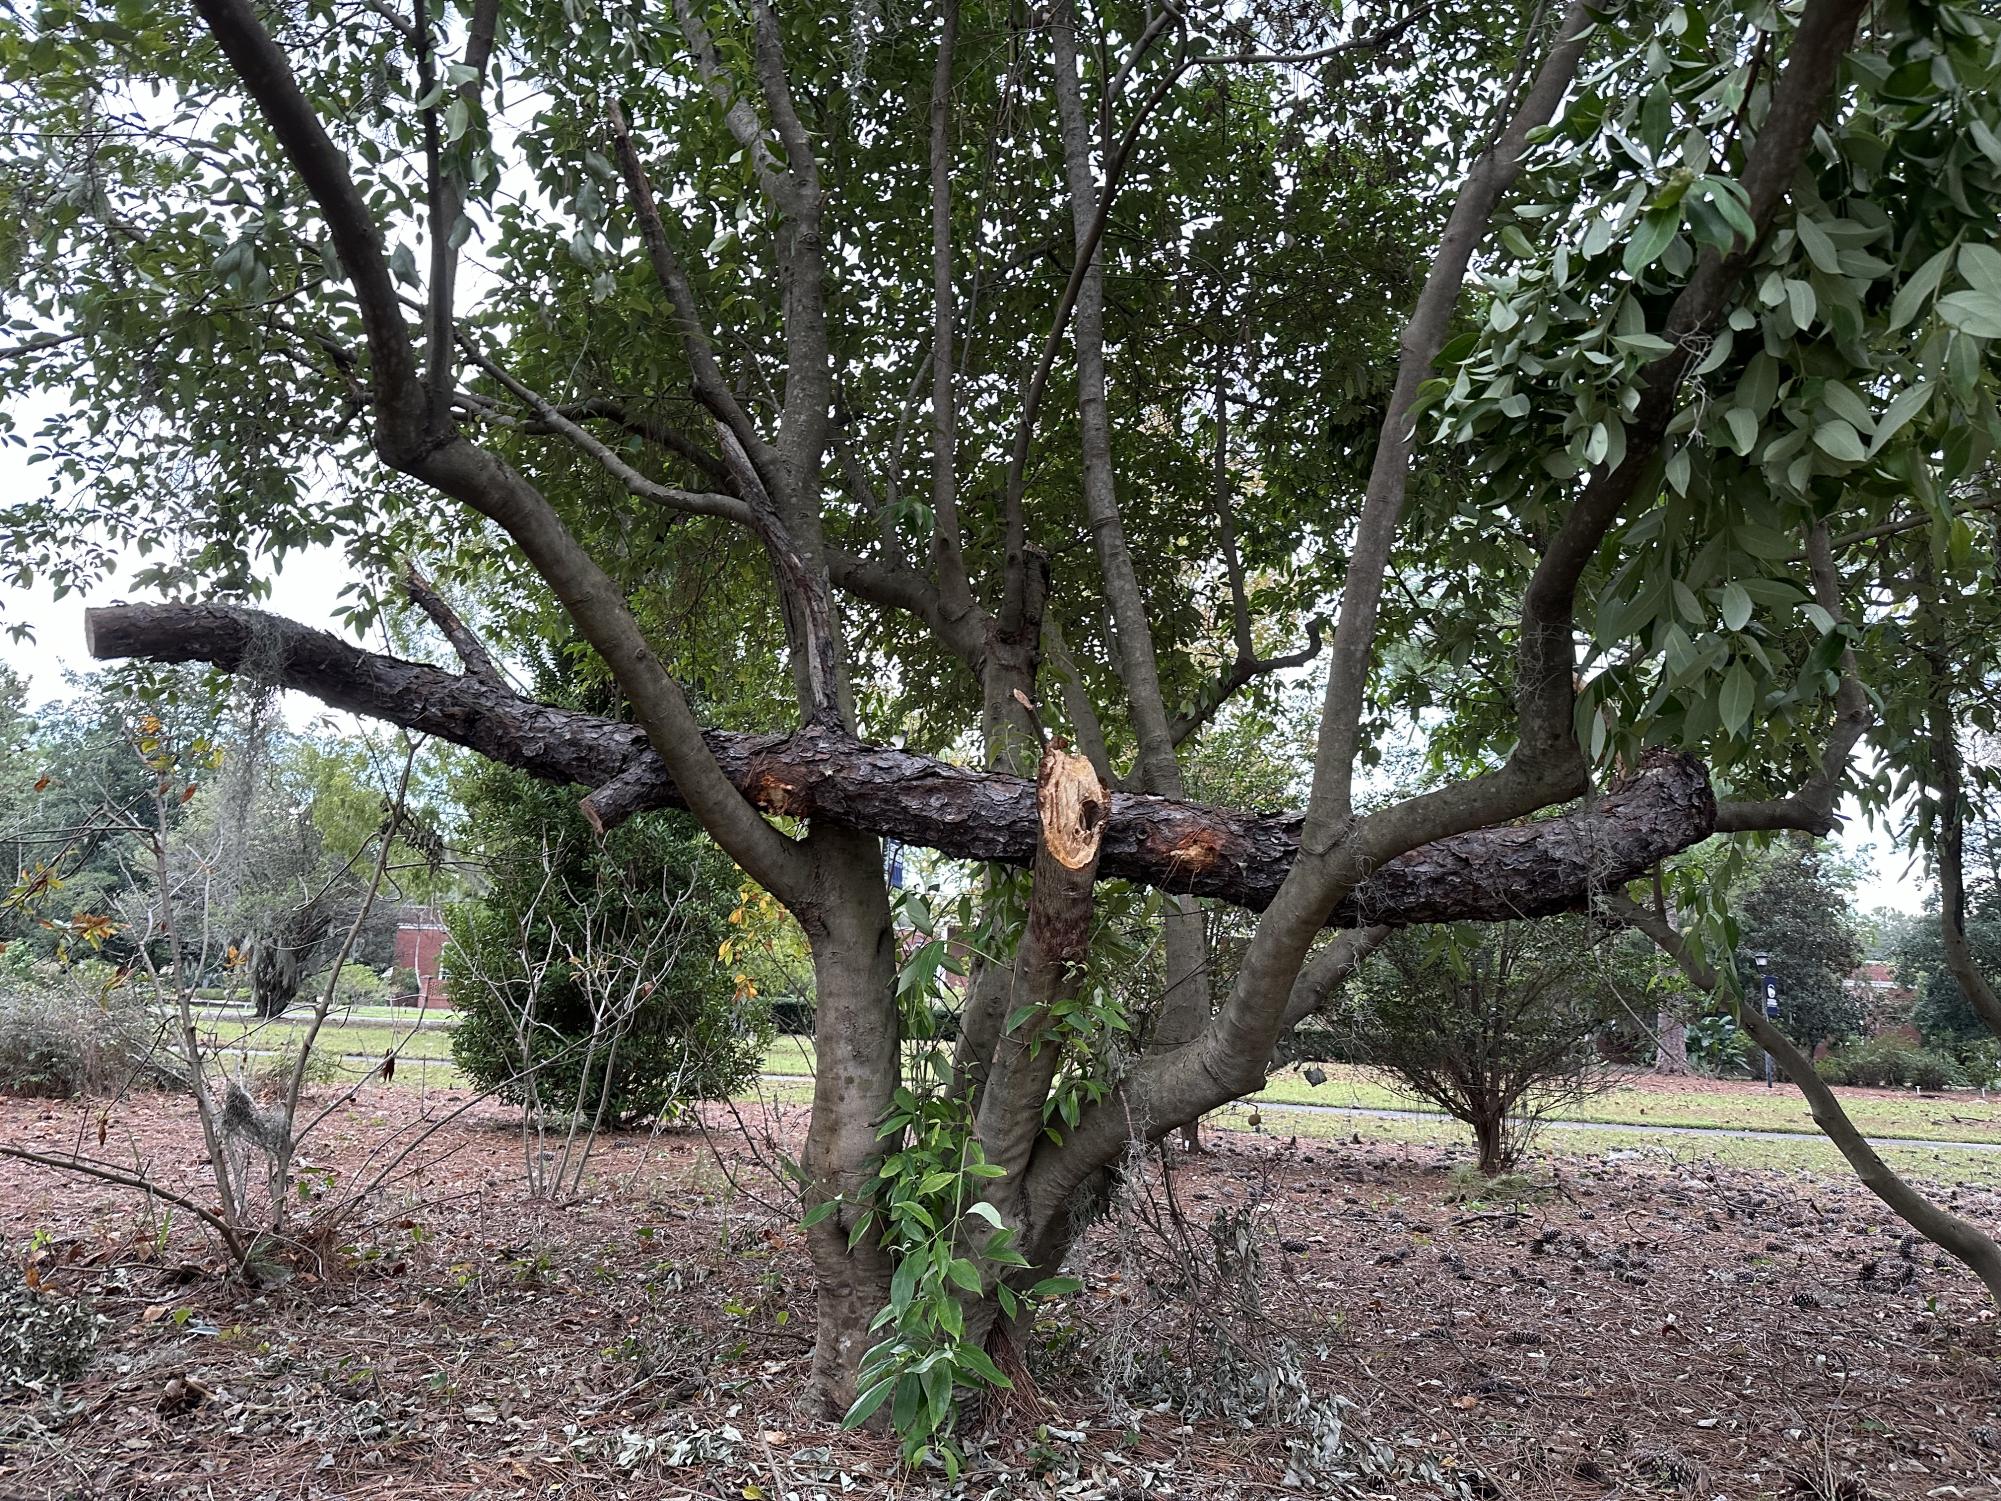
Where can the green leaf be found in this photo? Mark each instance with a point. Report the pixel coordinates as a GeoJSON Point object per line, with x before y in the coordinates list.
{"type": "Point", "coordinates": [964, 1273]}
{"type": "Point", "coordinates": [1906, 405]}
{"type": "Point", "coordinates": [866, 1404]}
{"type": "Point", "coordinates": [985, 1211]}
{"type": "Point", "coordinates": [1918, 290]}
{"type": "Point", "coordinates": [1736, 605]}
{"type": "Point", "coordinates": [1819, 248]}
{"type": "Point", "coordinates": [1656, 230]}
{"type": "Point", "coordinates": [1839, 440]}
{"type": "Point", "coordinates": [1055, 1287]}
{"type": "Point", "coordinates": [1800, 302]}
{"type": "Point", "coordinates": [903, 1286]}
{"type": "Point", "coordinates": [973, 1358]}
{"type": "Point", "coordinates": [1734, 702]}
{"type": "Point", "coordinates": [819, 1212]}
{"type": "Point", "coordinates": [1743, 429]}
{"type": "Point", "coordinates": [1977, 313]}
{"type": "Point", "coordinates": [1981, 266]}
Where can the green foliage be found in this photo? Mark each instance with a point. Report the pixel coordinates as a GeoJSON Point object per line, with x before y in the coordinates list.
{"type": "Point", "coordinates": [358, 985]}
{"type": "Point", "coordinates": [323, 1066]}
{"type": "Point", "coordinates": [1719, 1046]}
{"type": "Point", "coordinates": [587, 969]}
{"type": "Point", "coordinates": [1796, 912]}
{"type": "Point", "coordinates": [926, 1204]}
{"type": "Point", "coordinates": [1943, 1013]}
{"type": "Point", "coordinates": [1891, 1062]}
{"type": "Point", "coordinates": [44, 1340]}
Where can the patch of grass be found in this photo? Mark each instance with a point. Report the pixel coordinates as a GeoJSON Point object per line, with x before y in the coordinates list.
{"type": "Point", "coordinates": [1744, 1107]}
{"type": "Point", "coordinates": [790, 1055]}
{"type": "Point", "coordinates": [338, 1036]}
{"type": "Point", "coordinates": [1466, 1184]}
{"type": "Point", "coordinates": [1806, 1157]}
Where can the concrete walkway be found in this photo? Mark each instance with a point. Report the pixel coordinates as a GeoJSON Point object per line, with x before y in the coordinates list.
{"type": "Point", "coordinates": [1637, 1128]}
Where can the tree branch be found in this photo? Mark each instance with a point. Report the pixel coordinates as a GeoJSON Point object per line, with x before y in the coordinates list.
{"type": "Point", "coordinates": [1521, 870]}
{"type": "Point", "coordinates": [471, 650]}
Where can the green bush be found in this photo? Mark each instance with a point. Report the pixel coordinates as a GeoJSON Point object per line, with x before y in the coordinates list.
{"type": "Point", "coordinates": [66, 1034]}
{"type": "Point", "coordinates": [1494, 1024]}
{"type": "Point", "coordinates": [358, 986]}
{"type": "Point", "coordinates": [573, 925]}
{"type": "Point", "coordinates": [1891, 1062]}
{"type": "Point", "coordinates": [1721, 1048]}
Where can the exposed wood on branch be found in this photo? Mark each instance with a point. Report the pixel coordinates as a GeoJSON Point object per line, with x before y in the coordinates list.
{"type": "Point", "coordinates": [1071, 805]}
{"type": "Point", "coordinates": [1519, 870]}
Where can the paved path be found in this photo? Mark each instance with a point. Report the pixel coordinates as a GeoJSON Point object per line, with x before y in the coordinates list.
{"type": "Point", "coordinates": [361, 1062]}
{"type": "Point", "coordinates": [1741, 1133]}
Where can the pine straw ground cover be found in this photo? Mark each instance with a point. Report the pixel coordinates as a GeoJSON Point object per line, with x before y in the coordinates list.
{"type": "Point", "coordinates": [1284, 1318]}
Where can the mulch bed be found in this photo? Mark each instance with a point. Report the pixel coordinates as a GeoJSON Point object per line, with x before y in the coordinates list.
{"type": "Point", "coordinates": [1642, 1328]}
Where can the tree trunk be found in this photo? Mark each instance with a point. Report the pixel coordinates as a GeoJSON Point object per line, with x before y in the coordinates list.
{"type": "Point", "coordinates": [1671, 1043]}
{"type": "Point", "coordinates": [1490, 1137]}
{"type": "Point", "coordinates": [1185, 1004]}
{"type": "Point", "coordinates": [1532, 869]}
{"type": "Point", "coordinates": [855, 1078]}
{"type": "Point", "coordinates": [274, 975]}
{"type": "Point", "coordinates": [1072, 803]}
{"type": "Point", "coordinates": [1960, 1238]}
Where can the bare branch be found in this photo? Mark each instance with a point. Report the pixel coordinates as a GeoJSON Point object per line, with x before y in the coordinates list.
{"type": "Point", "coordinates": [471, 650]}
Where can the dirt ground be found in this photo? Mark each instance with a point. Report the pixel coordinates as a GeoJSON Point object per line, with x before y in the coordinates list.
{"type": "Point", "coordinates": [1638, 1329]}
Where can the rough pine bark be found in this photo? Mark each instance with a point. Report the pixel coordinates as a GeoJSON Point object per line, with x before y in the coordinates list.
{"type": "Point", "coordinates": [1529, 869]}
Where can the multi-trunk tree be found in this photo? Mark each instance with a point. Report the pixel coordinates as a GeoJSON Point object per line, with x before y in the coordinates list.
{"type": "Point", "coordinates": [970, 377]}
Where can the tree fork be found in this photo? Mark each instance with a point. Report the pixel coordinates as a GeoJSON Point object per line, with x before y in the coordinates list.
{"type": "Point", "coordinates": [1518, 870]}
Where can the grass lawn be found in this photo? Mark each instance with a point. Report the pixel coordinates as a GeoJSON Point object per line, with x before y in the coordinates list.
{"type": "Point", "coordinates": [424, 1062]}
{"type": "Point", "coordinates": [1811, 1157]}
{"type": "Point", "coordinates": [369, 1038]}
{"type": "Point", "coordinates": [1641, 1101]}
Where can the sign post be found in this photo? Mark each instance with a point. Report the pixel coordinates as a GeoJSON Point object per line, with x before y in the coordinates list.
{"type": "Point", "coordinates": [1768, 984]}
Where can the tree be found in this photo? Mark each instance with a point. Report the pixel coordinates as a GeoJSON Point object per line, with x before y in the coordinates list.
{"type": "Point", "coordinates": [1493, 1025]}
{"type": "Point", "coordinates": [1944, 1013]}
{"type": "Point", "coordinates": [1550, 343]}
{"type": "Point", "coordinates": [284, 832]}
{"type": "Point", "coordinates": [1796, 914]}
{"type": "Point", "coordinates": [584, 973]}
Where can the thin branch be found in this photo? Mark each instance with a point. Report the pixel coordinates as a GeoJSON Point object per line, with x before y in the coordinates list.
{"type": "Point", "coordinates": [470, 649]}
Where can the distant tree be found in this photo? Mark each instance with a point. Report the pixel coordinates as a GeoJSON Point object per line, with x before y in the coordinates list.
{"type": "Point", "coordinates": [1796, 912]}
{"type": "Point", "coordinates": [1943, 1013]}
{"type": "Point", "coordinates": [286, 828]}
{"type": "Point", "coordinates": [1492, 1025]}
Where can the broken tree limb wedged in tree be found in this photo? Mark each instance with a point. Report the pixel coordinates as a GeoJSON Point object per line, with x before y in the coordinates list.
{"type": "Point", "coordinates": [1519, 870]}
{"type": "Point", "coordinates": [1071, 805]}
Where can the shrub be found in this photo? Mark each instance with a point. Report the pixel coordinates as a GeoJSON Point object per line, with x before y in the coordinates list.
{"type": "Point", "coordinates": [63, 1035]}
{"type": "Point", "coordinates": [1721, 1048]}
{"type": "Point", "coordinates": [1493, 1025]}
{"type": "Point", "coordinates": [1891, 1062]}
{"type": "Point", "coordinates": [587, 972]}
{"type": "Point", "coordinates": [358, 986]}
{"type": "Point", "coordinates": [273, 1072]}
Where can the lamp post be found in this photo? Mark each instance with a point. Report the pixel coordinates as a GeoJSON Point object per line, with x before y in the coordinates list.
{"type": "Point", "coordinates": [1768, 985]}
